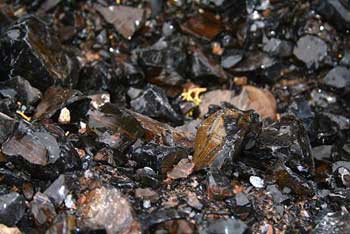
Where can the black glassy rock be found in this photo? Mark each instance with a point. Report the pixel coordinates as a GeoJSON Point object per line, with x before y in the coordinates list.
{"type": "Point", "coordinates": [56, 98]}
{"type": "Point", "coordinates": [12, 208]}
{"type": "Point", "coordinates": [24, 92]}
{"type": "Point", "coordinates": [283, 148]}
{"type": "Point", "coordinates": [7, 125]}
{"type": "Point", "coordinates": [29, 49]}
{"type": "Point", "coordinates": [159, 158]}
{"type": "Point", "coordinates": [59, 189]}
{"type": "Point", "coordinates": [336, 12]}
{"type": "Point", "coordinates": [39, 152]}
{"type": "Point", "coordinates": [165, 61]}
{"type": "Point", "coordinates": [154, 103]}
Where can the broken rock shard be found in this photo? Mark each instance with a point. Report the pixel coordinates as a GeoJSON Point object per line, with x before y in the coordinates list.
{"type": "Point", "coordinates": [30, 43]}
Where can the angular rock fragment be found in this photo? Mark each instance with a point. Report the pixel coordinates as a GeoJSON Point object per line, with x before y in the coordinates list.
{"type": "Point", "coordinates": [277, 195]}
{"type": "Point", "coordinates": [7, 125]}
{"type": "Point", "coordinates": [230, 58]}
{"type": "Point", "coordinates": [322, 152]}
{"type": "Point", "coordinates": [146, 194]}
{"type": "Point", "coordinates": [204, 26]}
{"type": "Point", "coordinates": [338, 77]}
{"type": "Point", "coordinates": [311, 50]}
{"type": "Point", "coordinates": [182, 170]}
{"type": "Point", "coordinates": [159, 158]}
{"type": "Point", "coordinates": [25, 93]}
{"type": "Point", "coordinates": [286, 138]}
{"type": "Point", "coordinates": [12, 207]}
{"type": "Point", "coordinates": [96, 76]}
{"type": "Point", "coordinates": [56, 98]}
{"type": "Point", "coordinates": [115, 120]}
{"type": "Point", "coordinates": [241, 199]}
{"type": "Point", "coordinates": [33, 148]}
{"type": "Point", "coordinates": [218, 185]}
{"type": "Point", "coordinates": [205, 67]}
{"type": "Point", "coordinates": [162, 133]}
{"type": "Point", "coordinates": [284, 148]}
{"type": "Point", "coordinates": [178, 226]}
{"type": "Point", "coordinates": [30, 50]}
{"type": "Point", "coordinates": [301, 109]}
{"type": "Point", "coordinates": [165, 61]}
{"type": "Point", "coordinates": [256, 181]}
{"type": "Point", "coordinates": [126, 20]}
{"type": "Point", "coordinates": [154, 103]}
{"type": "Point", "coordinates": [219, 138]}
{"type": "Point", "coordinates": [108, 209]}
{"type": "Point", "coordinates": [255, 60]}
{"type": "Point", "coordinates": [147, 177]}
{"type": "Point", "coordinates": [60, 188]}
{"type": "Point", "coordinates": [129, 70]}
{"type": "Point", "coordinates": [285, 177]}
{"type": "Point", "coordinates": [48, 5]}
{"type": "Point", "coordinates": [159, 216]}
{"type": "Point", "coordinates": [11, 177]}
{"type": "Point", "coordinates": [38, 148]}
{"type": "Point", "coordinates": [42, 209]}
{"type": "Point", "coordinates": [278, 47]}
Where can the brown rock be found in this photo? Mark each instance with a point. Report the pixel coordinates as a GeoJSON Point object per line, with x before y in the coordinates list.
{"type": "Point", "coordinates": [107, 208]}
{"type": "Point", "coordinates": [204, 25]}
{"type": "Point", "coordinates": [126, 20]}
{"type": "Point", "coordinates": [162, 133]}
{"type": "Point", "coordinates": [182, 170]}
{"type": "Point", "coordinates": [193, 201]}
{"type": "Point", "coordinates": [146, 194]}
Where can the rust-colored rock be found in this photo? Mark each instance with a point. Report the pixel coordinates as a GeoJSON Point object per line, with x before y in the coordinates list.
{"type": "Point", "coordinates": [107, 208]}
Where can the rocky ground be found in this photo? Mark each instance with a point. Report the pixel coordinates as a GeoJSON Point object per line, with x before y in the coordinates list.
{"type": "Point", "coordinates": [177, 116]}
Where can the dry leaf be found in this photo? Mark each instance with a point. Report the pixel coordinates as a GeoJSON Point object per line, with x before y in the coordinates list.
{"type": "Point", "coordinates": [260, 100]}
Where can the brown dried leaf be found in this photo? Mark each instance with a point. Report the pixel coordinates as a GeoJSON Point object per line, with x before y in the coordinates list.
{"type": "Point", "coordinates": [260, 100]}
{"type": "Point", "coordinates": [215, 97]}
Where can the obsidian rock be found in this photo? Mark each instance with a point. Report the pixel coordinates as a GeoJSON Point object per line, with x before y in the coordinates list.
{"type": "Point", "coordinates": [153, 102]}
{"type": "Point", "coordinates": [43, 155]}
{"type": "Point", "coordinates": [12, 207]}
{"type": "Point", "coordinates": [158, 157]}
{"type": "Point", "coordinates": [29, 49]}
